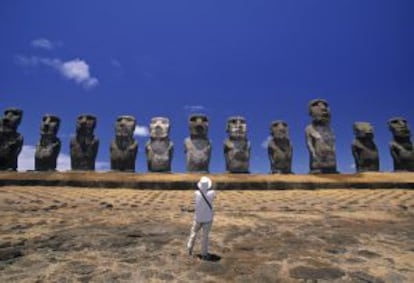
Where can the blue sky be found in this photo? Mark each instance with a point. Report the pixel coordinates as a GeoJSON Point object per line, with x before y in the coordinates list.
{"type": "Point", "coordinates": [263, 60]}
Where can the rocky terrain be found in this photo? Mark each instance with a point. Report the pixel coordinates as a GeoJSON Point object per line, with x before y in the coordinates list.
{"type": "Point", "coordinates": [64, 234]}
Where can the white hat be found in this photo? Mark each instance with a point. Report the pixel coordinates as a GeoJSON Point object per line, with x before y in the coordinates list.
{"type": "Point", "coordinates": [204, 183]}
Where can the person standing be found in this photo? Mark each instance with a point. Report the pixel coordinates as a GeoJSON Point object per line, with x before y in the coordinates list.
{"type": "Point", "coordinates": [203, 216]}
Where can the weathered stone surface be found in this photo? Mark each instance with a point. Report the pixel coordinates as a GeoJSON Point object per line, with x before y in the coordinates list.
{"type": "Point", "coordinates": [159, 149]}
{"type": "Point", "coordinates": [124, 147]}
{"type": "Point", "coordinates": [320, 139]}
{"type": "Point", "coordinates": [48, 148]}
{"type": "Point", "coordinates": [364, 149]}
{"type": "Point", "coordinates": [84, 146]}
{"type": "Point", "coordinates": [237, 146]}
{"type": "Point", "coordinates": [11, 142]}
{"type": "Point", "coordinates": [401, 147]}
{"type": "Point", "coordinates": [280, 148]}
{"type": "Point", "coordinates": [197, 147]}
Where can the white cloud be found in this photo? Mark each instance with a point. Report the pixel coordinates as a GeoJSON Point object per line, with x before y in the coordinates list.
{"type": "Point", "coordinates": [44, 43]}
{"type": "Point", "coordinates": [116, 63]}
{"type": "Point", "coordinates": [141, 131]}
{"type": "Point", "coordinates": [265, 142]}
{"type": "Point", "coordinates": [194, 108]}
{"type": "Point", "coordinates": [27, 156]}
{"type": "Point", "coordinates": [76, 69]}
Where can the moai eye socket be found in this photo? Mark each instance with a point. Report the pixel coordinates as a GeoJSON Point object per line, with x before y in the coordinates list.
{"type": "Point", "coordinates": [90, 117]}
{"type": "Point", "coordinates": [193, 119]}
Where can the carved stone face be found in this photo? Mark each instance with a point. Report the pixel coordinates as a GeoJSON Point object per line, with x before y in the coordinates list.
{"type": "Point", "coordinates": [159, 127]}
{"type": "Point", "coordinates": [319, 110]}
{"type": "Point", "coordinates": [237, 127]}
{"type": "Point", "coordinates": [399, 127]}
{"type": "Point", "coordinates": [279, 130]}
{"type": "Point", "coordinates": [12, 119]}
{"type": "Point", "coordinates": [125, 126]}
{"type": "Point", "coordinates": [50, 125]}
{"type": "Point", "coordinates": [363, 130]}
{"type": "Point", "coordinates": [198, 125]}
{"type": "Point", "coordinates": [85, 125]}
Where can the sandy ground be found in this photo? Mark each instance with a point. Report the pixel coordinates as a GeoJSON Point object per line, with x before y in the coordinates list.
{"type": "Point", "coordinates": [55, 234]}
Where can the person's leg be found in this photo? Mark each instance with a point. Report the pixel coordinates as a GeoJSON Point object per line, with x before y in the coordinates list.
{"type": "Point", "coordinates": [204, 241]}
{"type": "Point", "coordinates": [193, 234]}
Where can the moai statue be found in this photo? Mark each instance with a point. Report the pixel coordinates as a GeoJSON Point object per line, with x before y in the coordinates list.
{"type": "Point", "coordinates": [197, 147]}
{"type": "Point", "coordinates": [159, 149]}
{"type": "Point", "coordinates": [124, 147]}
{"type": "Point", "coordinates": [320, 139]}
{"type": "Point", "coordinates": [48, 148]}
{"type": "Point", "coordinates": [279, 148]}
{"type": "Point", "coordinates": [11, 141]}
{"type": "Point", "coordinates": [364, 150]}
{"type": "Point", "coordinates": [401, 147]}
{"type": "Point", "coordinates": [237, 146]}
{"type": "Point", "coordinates": [84, 146]}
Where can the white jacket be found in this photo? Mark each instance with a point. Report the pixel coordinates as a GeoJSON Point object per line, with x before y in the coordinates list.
{"type": "Point", "coordinates": [203, 213]}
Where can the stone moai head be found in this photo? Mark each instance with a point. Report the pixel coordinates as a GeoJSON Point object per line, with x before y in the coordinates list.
{"type": "Point", "coordinates": [279, 130]}
{"type": "Point", "coordinates": [159, 128]}
{"type": "Point", "coordinates": [125, 126]}
{"type": "Point", "coordinates": [399, 127]}
{"type": "Point", "coordinates": [198, 124]}
{"type": "Point", "coordinates": [319, 111]}
{"type": "Point", "coordinates": [12, 119]}
{"type": "Point", "coordinates": [50, 125]}
{"type": "Point", "coordinates": [85, 124]}
{"type": "Point", "coordinates": [237, 127]}
{"type": "Point", "coordinates": [363, 130]}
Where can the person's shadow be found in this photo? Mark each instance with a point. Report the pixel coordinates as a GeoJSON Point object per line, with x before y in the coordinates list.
{"type": "Point", "coordinates": [209, 257]}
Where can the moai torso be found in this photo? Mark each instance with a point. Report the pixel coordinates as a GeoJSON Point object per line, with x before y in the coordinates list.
{"type": "Point", "coordinates": [48, 148]}
{"type": "Point", "coordinates": [279, 148]}
{"type": "Point", "coordinates": [159, 149]}
{"type": "Point", "coordinates": [11, 142]}
{"type": "Point", "coordinates": [197, 147]}
{"type": "Point", "coordinates": [237, 146]}
{"type": "Point", "coordinates": [84, 146]}
{"type": "Point", "coordinates": [320, 139]}
{"type": "Point", "coordinates": [364, 150]}
{"type": "Point", "coordinates": [124, 147]}
{"type": "Point", "coordinates": [401, 147]}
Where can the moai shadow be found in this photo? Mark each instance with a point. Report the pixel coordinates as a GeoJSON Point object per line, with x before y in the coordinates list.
{"type": "Point", "coordinates": [401, 147]}
{"type": "Point", "coordinates": [159, 149]}
{"type": "Point", "coordinates": [364, 149]}
{"type": "Point", "coordinates": [48, 148]}
{"type": "Point", "coordinates": [320, 139]}
{"type": "Point", "coordinates": [279, 148]}
{"type": "Point", "coordinates": [197, 147]}
{"type": "Point", "coordinates": [84, 146]}
{"type": "Point", "coordinates": [124, 147]}
{"type": "Point", "coordinates": [11, 141]}
{"type": "Point", "coordinates": [237, 146]}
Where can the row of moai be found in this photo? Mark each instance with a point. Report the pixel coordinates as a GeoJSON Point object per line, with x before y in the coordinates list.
{"type": "Point", "coordinates": [320, 141]}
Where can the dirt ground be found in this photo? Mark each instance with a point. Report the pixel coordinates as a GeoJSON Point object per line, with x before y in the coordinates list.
{"type": "Point", "coordinates": [57, 234]}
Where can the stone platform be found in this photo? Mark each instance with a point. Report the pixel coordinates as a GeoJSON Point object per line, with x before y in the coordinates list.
{"type": "Point", "coordinates": [183, 181]}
